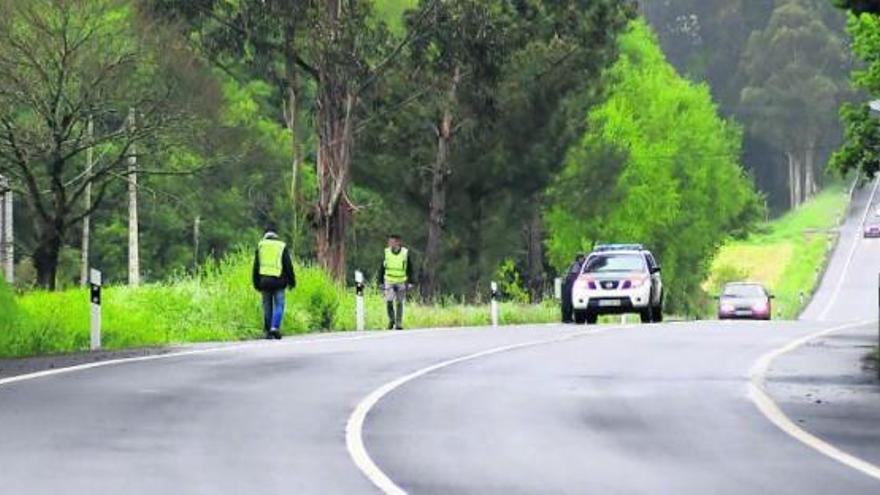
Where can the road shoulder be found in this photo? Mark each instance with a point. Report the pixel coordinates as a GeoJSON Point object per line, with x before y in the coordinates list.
{"type": "Point", "coordinates": [826, 389]}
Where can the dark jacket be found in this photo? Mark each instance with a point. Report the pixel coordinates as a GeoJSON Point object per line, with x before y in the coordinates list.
{"type": "Point", "coordinates": [574, 270]}
{"type": "Point", "coordinates": [409, 269]}
{"type": "Point", "coordinates": [266, 283]}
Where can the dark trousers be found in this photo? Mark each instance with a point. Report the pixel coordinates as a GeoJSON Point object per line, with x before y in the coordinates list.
{"type": "Point", "coordinates": [567, 306]}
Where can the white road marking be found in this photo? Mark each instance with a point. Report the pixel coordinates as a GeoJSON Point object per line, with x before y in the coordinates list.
{"type": "Point", "coordinates": [212, 350]}
{"type": "Point", "coordinates": [769, 408]}
{"type": "Point", "coordinates": [852, 252]}
{"type": "Point", "coordinates": [354, 436]}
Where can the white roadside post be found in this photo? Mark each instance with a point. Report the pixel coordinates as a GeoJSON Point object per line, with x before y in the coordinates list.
{"type": "Point", "coordinates": [95, 293]}
{"type": "Point", "coordinates": [359, 299]}
{"type": "Point", "coordinates": [557, 288]}
{"type": "Point", "coordinates": [494, 304]}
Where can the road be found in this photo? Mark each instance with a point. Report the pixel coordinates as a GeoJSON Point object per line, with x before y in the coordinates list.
{"type": "Point", "coordinates": [541, 409]}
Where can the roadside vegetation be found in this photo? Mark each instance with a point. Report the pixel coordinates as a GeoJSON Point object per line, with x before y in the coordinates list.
{"type": "Point", "coordinates": [787, 255]}
{"type": "Point", "coordinates": [218, 305]}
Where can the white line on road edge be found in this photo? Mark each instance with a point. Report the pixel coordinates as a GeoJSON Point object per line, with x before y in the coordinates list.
{"type": "Point", "coordinates": [212, 350]}
{"type": "Point", "coordinates": [852, 253]}
{"type": "Point", "coordinates": [354, 435]}
{"type": "Point", "coordinates": [769, 408]}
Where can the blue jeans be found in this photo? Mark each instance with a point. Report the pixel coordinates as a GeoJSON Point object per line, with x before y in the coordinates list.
{"type": "Point", "coordinates": [273, 309]}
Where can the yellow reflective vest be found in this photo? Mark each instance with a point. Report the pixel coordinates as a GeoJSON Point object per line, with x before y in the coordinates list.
{"type": "Point", "coordinates": [395, 266]}
{"type": "Point", "coordinates": [270, 252]}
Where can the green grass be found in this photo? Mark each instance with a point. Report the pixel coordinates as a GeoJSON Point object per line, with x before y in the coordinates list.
{"type": "Point", "coordinates": [219, 305]}
{"type": "Point", "coordinates": [787, 254]}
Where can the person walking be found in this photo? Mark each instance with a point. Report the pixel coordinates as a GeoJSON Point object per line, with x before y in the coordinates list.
{"type": "Point", "coordinates": [574, 270]}
{"type": "Point", "coordinates": [272, 275]}
{"type": "Point", "coordinates": [395, 276]}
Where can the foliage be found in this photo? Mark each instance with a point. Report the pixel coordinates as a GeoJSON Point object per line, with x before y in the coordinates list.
{"type": "Point", "coordinates": [217, 305]}
{"type": "Point", "coordinates": [677, 186]}
{"type": "Point", "coordinates": [716, 41]}
{"type": "Point", "coordinates": [510, 283]}
{"type": "Point", "coordinates": [794, 83]}
{"type": "Point", "coordinates": [861, 149]}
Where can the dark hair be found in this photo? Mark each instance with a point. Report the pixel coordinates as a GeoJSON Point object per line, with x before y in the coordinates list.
{"type": "Point", "coordinates": [271, 227]}
{"type": "Point", "coordinates": [394, 236]}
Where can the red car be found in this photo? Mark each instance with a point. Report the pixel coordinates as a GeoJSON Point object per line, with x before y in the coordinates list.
{"type": "Point", "coordinates": [744, 300]}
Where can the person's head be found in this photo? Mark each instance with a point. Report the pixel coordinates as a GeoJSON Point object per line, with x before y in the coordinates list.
{"type": "Point", "coordinates": [270, 227]}
{"type": "Point", "coordinates": [580, 258]}
{"type": "Point", "coordinates": [394, 242]}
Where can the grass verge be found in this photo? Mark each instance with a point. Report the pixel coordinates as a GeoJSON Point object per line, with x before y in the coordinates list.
{"type": "Point", "coordinates": [787, 255]}
{"type": "Point", "coordinates": [219, 305]}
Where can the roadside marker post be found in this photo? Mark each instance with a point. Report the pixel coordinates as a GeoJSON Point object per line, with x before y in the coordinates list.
{"type": "Point", "coordinates": [95, 298]}
{"type": "Point", "coordinates": [557, 288]}
{"type": "Point", "coordinates": [494, 304]}
{"type": "Point", "coordinates": [359, 299]}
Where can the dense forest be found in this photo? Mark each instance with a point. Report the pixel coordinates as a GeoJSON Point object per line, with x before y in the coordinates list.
{"type": "Point", "coordinates": [497, 137]}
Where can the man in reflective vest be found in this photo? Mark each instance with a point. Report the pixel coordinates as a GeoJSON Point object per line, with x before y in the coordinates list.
{"type": "Point", "coordinates": [395, 275]}
{"type": "Point", "coordinates": [272, 275]}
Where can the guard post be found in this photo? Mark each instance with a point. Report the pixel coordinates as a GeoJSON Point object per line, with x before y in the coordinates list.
{"type": "Point", "coordinates": [557, 288]}
{"type": "Point", "coordinates": [359, 300]}
{"type": "Point", "coordinates": [95, 298]}
{"type": "Point", "coordinates": [494, 303]}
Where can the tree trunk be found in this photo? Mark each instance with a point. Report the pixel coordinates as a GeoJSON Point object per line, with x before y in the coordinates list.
{"type": "Point", "coordinates": [87, 202]}
{"type": "Point", "coordinates": [134, 263]}
{"type": "Point", "coordinates": [291, 114]}
{"type": "Point", "coordinates": [535, 257]}
{"type": "Point", "coordinates": [810, 171]}
{"type": "Point", "coordinates": [333, 168]}
{"type": "Point", "coordinates": [46, 254]}
{"type": "Point", "coordinates": [440, 173]}
{"type": "Point", "coordinates": [792, 199]}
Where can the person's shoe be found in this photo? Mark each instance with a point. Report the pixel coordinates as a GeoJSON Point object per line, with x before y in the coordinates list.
{"type": "Point", "coordinates": [275, 333]}
{"type": "Point", "coordinates": [398, 327]}
{"type": "Point", "coordinates": [268, 336]}
{"type": "Point", "coordinates": [390, 325]}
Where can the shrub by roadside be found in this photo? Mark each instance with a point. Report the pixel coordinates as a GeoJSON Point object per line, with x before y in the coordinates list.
{"type": "Point", "coordinates": [217, 305]}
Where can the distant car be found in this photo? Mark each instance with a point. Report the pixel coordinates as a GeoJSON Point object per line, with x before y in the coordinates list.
{"type": "Point", "coordinates": [872, 230]}
{"type": "Point", "coordinates": [744, 300]}
{"type": "Point", "coordinates": [618, 279]}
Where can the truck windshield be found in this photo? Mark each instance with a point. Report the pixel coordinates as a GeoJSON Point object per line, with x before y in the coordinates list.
{"type": "Point", "coordinates": [604, 263]}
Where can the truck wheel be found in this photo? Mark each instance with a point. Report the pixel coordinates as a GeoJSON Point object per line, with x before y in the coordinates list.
{"type": "Point", "coordinates": [580, 316]}
{"type": "Point", "coordinates": [646, 315]}
{"type": "Point", "coordinates": [658, 311]}
{"type": "Point", "coordinates": [592, 318]}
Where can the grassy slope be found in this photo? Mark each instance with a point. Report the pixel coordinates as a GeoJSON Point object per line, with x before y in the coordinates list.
{"type": "Point", "coordinates": [787, 255]}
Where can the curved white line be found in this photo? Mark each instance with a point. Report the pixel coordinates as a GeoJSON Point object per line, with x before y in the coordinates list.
{"type": "Point", "coordinates": [769, 408]}
{"type": "Point", "coordinates": [212, 350]}
{"type": "Point", "coordinates": [354, 437]}
{"type": "Point", "coordinates": [852, 253]}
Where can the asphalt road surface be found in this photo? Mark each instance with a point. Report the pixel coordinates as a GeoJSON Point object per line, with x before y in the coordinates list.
{"type": "Point", "coordinates": [546, 409]}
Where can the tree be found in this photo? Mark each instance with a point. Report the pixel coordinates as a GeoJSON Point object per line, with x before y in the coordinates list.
{"type": "Point", "coordinates": [656, 165]}
{"type": "Point", "coordinates": [861, 149]}
{"type": "Point", "coordinates": [62, 63]}
{"type": "Point", "coordinates": [859, 6]}
{"type": "Point", "coordinates": [794, 73]}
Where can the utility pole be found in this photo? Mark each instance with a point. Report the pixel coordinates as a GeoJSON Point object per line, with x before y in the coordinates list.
{"type": "Point", "coordinates": [87, 199]}
{"type": "Point", "coordinates": [7, 240]}
{"type": "Point", "coordinates": [134, 264]}
{"type": "Point", "coordinates": [197, 233]}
